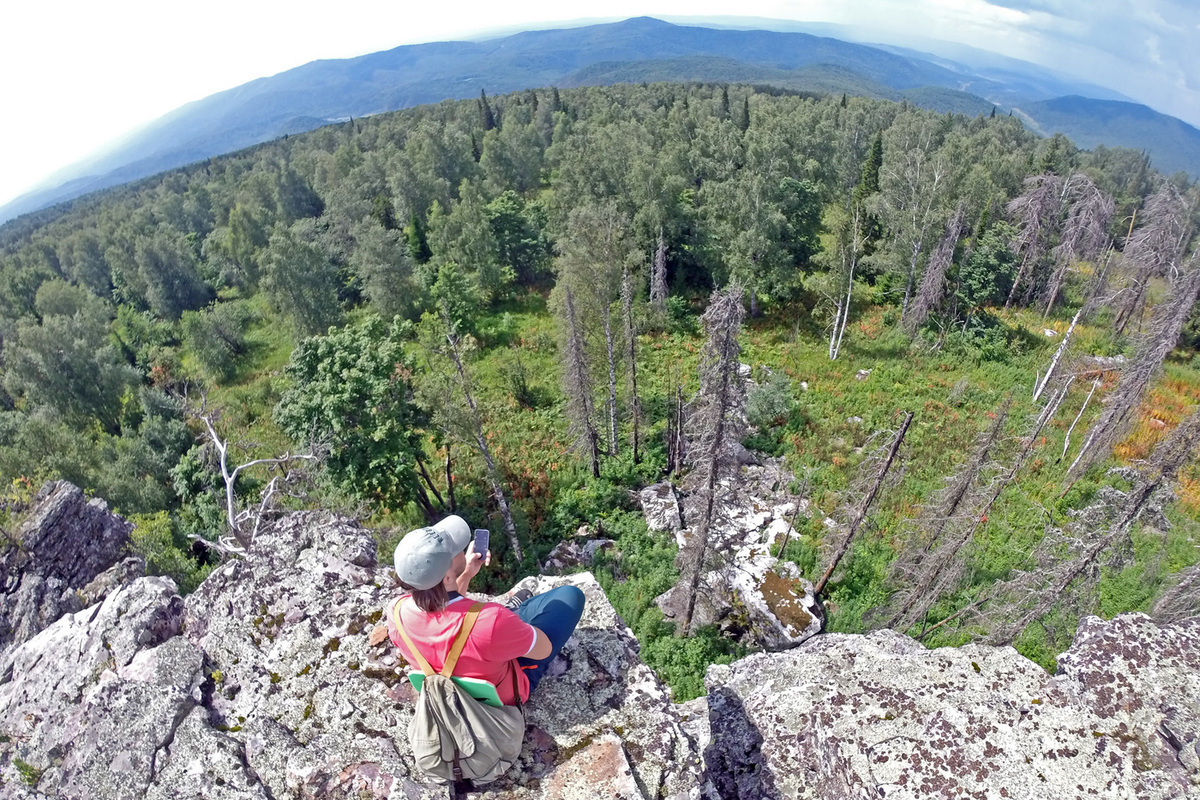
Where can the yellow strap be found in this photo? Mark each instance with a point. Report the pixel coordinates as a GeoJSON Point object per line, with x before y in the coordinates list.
{"type": "Point", "coordinates": [460, 641]}
{"type": "Point", "coordinates": [412, 648]}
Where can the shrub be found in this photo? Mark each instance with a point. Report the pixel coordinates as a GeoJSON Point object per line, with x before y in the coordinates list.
{"type": "Point", "coordinates": [166, 552]}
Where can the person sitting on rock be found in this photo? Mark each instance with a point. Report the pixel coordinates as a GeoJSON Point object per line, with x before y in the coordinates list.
{"type": "Point", "coordinates": [435, 567]}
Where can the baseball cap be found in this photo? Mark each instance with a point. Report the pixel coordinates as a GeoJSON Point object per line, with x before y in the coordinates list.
{"type": "Point", "coordinates": [424, 555]}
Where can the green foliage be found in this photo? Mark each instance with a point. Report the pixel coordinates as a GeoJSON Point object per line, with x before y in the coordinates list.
{"type": "Point", "coordinates": [30, 774]}
{"type": "Point", "coordinates": [986, 277]}
{"type": "Point", "coordinates": [301, 280]}
{"type": "Point", "coordinates": [351, 394]}
{"type": "Point", "coordinates": [681, 662]}
{"type": "Point", "coordinates": [166, 552]}
{"type": "Point", "coordinates": [216, 337]}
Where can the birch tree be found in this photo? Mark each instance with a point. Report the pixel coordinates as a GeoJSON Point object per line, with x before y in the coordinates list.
{"type": "Point", "coordinates": [577, 383]}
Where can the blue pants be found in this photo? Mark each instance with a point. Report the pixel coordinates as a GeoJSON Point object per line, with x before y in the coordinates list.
{"type": "Point", "coordinates": [555, 613]}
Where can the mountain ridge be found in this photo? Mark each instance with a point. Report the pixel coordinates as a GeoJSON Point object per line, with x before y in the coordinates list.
{"type": "Point", "coordinates": [330, 90]}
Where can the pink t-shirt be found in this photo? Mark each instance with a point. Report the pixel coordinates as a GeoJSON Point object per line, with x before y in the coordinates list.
{"type": "Point", "coordinates": [499, 637]}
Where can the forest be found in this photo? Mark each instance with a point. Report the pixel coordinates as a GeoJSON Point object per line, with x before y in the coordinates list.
{"type": "Point", "coordinates": [972, 348]}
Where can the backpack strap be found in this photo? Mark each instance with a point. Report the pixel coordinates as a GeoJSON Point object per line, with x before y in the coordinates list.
{"type": "Point", "coordinates": [460, 641]}
{"type": "Point", "coordinates": [421, 662]}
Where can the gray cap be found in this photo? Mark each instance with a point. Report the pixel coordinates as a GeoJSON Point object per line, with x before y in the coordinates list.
{"type": "Point", "coordinates": [423, 556]}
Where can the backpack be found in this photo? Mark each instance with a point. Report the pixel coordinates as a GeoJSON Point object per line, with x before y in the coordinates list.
{"type": "Point", "coordinates": [455, 737]}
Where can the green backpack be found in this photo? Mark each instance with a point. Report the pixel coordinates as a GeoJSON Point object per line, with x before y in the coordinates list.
{"type": "Point", "coordinates": [453, 735]}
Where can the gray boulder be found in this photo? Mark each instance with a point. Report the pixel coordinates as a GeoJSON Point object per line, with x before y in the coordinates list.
{"type": "Point", "coordinates": [265, 684]}
{"type": "Point", "coordinates": [64, 543]}
{"type": "Point", "coordinates": [880, 716]}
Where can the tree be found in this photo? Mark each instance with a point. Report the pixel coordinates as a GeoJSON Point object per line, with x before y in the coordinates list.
{"type": "Point", "coordinates": [1084, 233]}
{"type": "Point", "coordinates": [658, 274]}
{"type": "Point", "coordinates": [1059, 576]}
{"type": "Point", "coordinates": [577, 383]}
{"type": "Point", "coordinates": [933, 280]}
{"type": "Point", "coordinates": [166, 263]}
{"type": "Point", "coordinates": [446, 390]}
{"type": "Point", "coordinates": [65, 364]}
{"type": "Point", "coordinates": [1156, 344]}
{"type": "Point", "coordinates": [216, 336]}
{"type": "Point", "coordinates": [594, 254]}
{"type": "Point", "coordinates": [244, 524]}
{"type": "Point", "coordinates": [351, 396]}
{"type": "Point", "coordinates": [300, 279]}
{"type": "Point", "coordinates": [1036, 214]}
{"type": "Point", "coordinates": [1155, 249]}
{"type": "Point", "coordinates": [381, 261]}
{"type": "Point", "coordinates": [715, 422]}
{"type": "Point", "coordinates": [464, 236]}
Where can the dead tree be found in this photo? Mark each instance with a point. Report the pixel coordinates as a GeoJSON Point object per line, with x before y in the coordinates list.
{"type": "Point", "coordinates": [1121, 406]}
{"type": "Point", "coordinates": [1084, 231]}
{"type": "Point", "coordinates": [929, 293]}
{"type": "Point", "coordinates": [943, 568]}
{"type": "Point", "coordinates": [714, 424]}
{"type": "Point", "coordinates": [1036, 214]}
{"type": "Point", "coordinates": [577, 384]}
{"type": "Point", "coordinates": [1156, 249]}
{"type": "Point", "coordinates": [631, 336]}
{"type": "Point", "coordinates": [448, 393]}
{"type": "Point", "coordinates": [1033, 594]}
{"type": "Point", "coordinates": [1041, 383]}
{"type": "Point", "coordinates": [861, 514]}
{"type": "Point", "coordinates": [1182, 599]}
{"type": "Point", "coordinates": [658, 274]}
{"type": "Point", "coordinates": [947, 510]}
{"type": "Point", "coordinates": [244, 524]}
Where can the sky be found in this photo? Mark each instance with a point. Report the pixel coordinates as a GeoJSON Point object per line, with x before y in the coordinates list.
{"type": "Point", "coordinates": [81, 75]}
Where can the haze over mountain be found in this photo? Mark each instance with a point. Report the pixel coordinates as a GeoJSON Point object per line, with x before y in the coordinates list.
{"type": "Point", "coordinates": [635, 50]}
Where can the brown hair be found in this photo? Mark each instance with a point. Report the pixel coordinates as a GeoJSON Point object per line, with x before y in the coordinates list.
{"type": "Point", "coordinates": [428, 600]}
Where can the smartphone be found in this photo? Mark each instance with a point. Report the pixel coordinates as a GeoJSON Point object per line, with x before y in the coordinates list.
{"type": "Point", "coordinates": [481, 542]}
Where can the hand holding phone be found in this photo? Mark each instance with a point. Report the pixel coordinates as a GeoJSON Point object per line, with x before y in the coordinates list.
{"type": "Point", "coordinates": [482, 538]}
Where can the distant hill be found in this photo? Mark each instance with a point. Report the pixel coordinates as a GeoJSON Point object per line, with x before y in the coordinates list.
{"type": "Point", "coordinates": [634, 50]}
{"type": "Point", "coordinates": [1173, 144]}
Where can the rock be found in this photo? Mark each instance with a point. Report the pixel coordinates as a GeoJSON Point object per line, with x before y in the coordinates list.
{"type": "Point", "coordinates": [66, 541]}
{"type": "Point", "coordinates": [854, 420]}
{"type": "Point", "coordinates": [756, 598]}
{"type": "Point", "coordinates": [880, 716]}
{"type": "Point", "coordinates": [91, 699]}
{"type": "Point", "coordinates": [862, 374]}
{"type": "Point", "coordinates": [264, 684]}
{"type": "Point", "coordinates": [804, 386]}
{"type": "Point", "coordinates": [660, 507]}
{"type": "Point", "coordinates": [1049, 333]}
{"type": "Point", "coordinates": [744, 371]}
{"type": "Point", "coordinates": [572, 555]}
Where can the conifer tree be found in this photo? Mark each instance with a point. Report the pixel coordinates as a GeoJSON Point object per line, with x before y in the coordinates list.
{"type": "Point", "coordinates": [714, 423]}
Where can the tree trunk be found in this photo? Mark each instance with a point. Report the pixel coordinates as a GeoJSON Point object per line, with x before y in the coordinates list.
{"type": "Point", "coordinates": [844, 547]}
{"type": "Point", "coordinates": [482, 446]}
{"type": "Point", "coordinates": [450, 482]}
{"type": "Point", "coordinates": [610, 347]}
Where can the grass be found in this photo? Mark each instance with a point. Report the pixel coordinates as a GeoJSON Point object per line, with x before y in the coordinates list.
{"type": "Point", "coordinates": [846, 413]}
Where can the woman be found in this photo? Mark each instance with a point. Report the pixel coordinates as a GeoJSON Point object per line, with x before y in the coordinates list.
{"type": "Point", "coordinates": [510, 650]}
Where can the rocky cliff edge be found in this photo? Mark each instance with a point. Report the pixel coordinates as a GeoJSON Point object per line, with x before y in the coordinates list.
{"type": "Point", "coordinates": [263, 684]}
